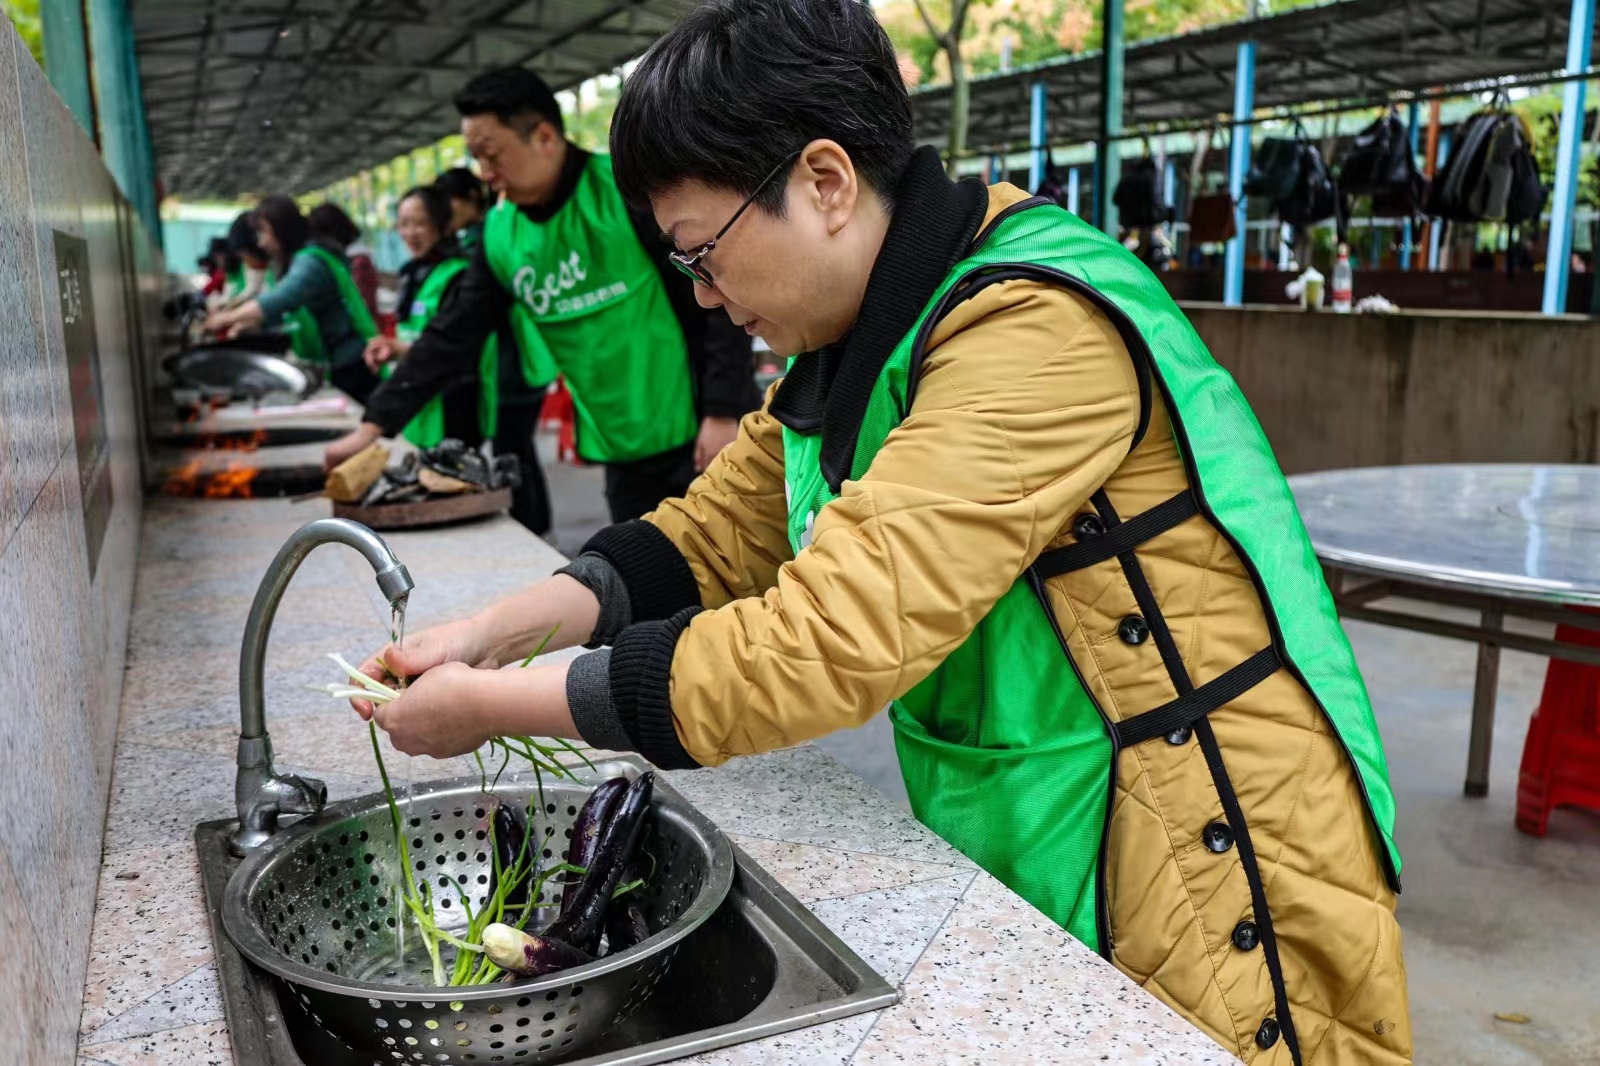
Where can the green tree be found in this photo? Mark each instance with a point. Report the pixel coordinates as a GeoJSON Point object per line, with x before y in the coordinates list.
{"type": "Point", "coordinates": [24, 15]}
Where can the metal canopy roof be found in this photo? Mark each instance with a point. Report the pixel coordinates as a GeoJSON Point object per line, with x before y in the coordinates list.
{"type": "Point", "coordinates": [1350, 50]}
{"type": "Point", "coordinates": [250, 96]}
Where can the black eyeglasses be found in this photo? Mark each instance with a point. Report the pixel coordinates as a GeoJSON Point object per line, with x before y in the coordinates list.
{"type": "Point", "coordinates": [689, 262]}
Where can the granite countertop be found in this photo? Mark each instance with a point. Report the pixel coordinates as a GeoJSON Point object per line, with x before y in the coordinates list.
{"type": "Point", "coordinates": [983, 974]}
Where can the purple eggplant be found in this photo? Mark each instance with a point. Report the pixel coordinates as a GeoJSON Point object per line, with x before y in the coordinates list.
{"type": "Point", "coordinates": [510, 836]}
{"type": "Point", "coordinates": [530, 956]}
{"type": "Point", "coordinates": [580, 924]}
{"type": "Point", "coordinates": [586, 833]}
{"type": "Point", "coordinates": [625, 924]}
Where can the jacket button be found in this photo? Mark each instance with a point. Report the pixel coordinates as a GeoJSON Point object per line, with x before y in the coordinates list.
{"type": "Point", "coordinates": [1087, 527]}
{"type": "Point", "coordinates": [1179, 735]}
{"type": "Point", "coordinates": [1133, 630]}
{"type": "Point", "coordinates": [1218, 837]}
{"type": "Point", "coordinates": [1246, 935]}
{"type": "Point", "coordinates": [1267, 1035]}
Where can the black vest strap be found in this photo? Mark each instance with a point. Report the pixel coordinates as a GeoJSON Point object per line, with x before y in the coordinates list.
{"type": "Point", "coordinates": [1189, 708]}
{"type": "Point", "coordinates": [1120, 538]}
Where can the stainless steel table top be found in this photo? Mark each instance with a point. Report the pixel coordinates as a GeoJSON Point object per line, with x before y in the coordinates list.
{"type": "Point", "coordinates": [1525, 532]}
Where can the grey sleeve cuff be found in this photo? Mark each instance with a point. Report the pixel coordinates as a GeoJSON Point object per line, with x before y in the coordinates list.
{"type": "Point", "coordinates": [595, 573]}
{"type": "Point", "coordinates": [589, 697]}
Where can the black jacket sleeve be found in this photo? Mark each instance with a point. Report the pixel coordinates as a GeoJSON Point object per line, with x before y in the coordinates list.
{"type": "Point", "coordinates": [448, 349]}
{"type": "Point", "coordinates": [719, 351]}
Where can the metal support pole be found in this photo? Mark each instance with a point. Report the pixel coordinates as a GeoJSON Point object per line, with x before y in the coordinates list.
{"type": "Point", "coordinates": [1558, 254]}
{"type": "Point", "coordinates": [1244, 97]}
{"type": "Point", "coordinates": [1040, 149]}
{"type": "Point", "coordinates": [1107, 153]}
{"type": "Point", "coordinates": [1073, 189]}
{"type": "Point", "coordinates": [1414, 130]}
{"type": "Point", "coordinates": [1481, 741]}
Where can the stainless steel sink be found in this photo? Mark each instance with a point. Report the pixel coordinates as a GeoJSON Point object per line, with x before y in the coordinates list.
{"type": "Point", "coordinates": [763, 964]}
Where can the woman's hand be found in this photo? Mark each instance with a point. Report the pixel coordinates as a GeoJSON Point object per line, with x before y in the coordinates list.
{"type": "Point", "coordinates": [454, 709]}
{"type": "Point", "coordinates": [442, 713]}
{"type": "Point", "coordinates": [425, 650]}
{"type": "Point", "coordinates": [381, 350]}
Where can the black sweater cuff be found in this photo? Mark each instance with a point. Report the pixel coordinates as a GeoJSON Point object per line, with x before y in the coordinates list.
{"type": "Point", "coordinates": [641, 688]}
{"type": "Point", "coordinates": [657, 576]}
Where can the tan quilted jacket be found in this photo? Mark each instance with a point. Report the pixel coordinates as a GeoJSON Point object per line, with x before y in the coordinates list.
{"type": "Point", "coordinates": [1026, 406]}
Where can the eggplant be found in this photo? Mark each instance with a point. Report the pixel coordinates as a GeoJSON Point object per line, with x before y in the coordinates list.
{"type": "Point", "coordinates": [510, 831]}
{"type": "Point", "coordinates": [531, 956]}
{"type": "Point", "coordinates": [580, 924]}
{"type": "Point", "coordinates": [625, 924]}
{"type": "Point", "coordinates": [586, 833]}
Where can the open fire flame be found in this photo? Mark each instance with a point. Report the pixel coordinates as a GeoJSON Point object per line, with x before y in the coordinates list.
{"type": "Point", "coordinates": [233, 481]}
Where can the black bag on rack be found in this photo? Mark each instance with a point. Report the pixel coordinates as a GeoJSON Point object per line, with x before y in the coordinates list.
{"type": "Point", "coordinates": [1138, 197]}
{"type": "Point", "coordinates": [1054, 186]}
{"type": "Point", "coordinates": [1491, 175]}
{"type": "Point", "coordinates": [1380, 165]}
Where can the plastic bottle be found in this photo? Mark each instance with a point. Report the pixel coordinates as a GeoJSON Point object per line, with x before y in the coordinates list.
{"type": "Point", "coordinates": [1343, 282]}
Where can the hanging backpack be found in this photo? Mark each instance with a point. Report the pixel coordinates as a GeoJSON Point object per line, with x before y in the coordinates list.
{"type": "Point", "coordinates": [1491, 174]}
{"type": "Point", "coordinates": [1380, 164]}
{"type": "Point", "coordinates": [1291, 175]}
{"type": "Point", "coordinates": [1140, 204]}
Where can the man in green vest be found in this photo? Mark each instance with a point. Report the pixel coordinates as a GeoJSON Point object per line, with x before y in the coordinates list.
{"type": "Point", "coordinates": [658, 383]}
{"type": "Point", "coordinates": [1004, 490]}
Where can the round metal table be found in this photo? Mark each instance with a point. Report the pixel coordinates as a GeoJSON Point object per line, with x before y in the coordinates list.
{"type": "Point", "coordinates": [1505, 540]}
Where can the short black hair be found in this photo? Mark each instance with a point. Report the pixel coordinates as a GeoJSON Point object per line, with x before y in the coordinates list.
{"type": "Point", "coordinates": [330, 223]}
{"type": "Point", "coordinates": [242, 237]}
{"type": "Point", "coordinates": [515, 95]}
{"type": "Point", "coordinates": [739, 84]}
{"type": "Point", "coordinates": [435, 201]}
{"type": "Point", "coordinates": [459, 183]}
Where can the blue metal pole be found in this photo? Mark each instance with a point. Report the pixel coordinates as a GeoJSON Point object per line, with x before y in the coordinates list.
{"type": "Point", "coordinates": [1244, 98]}
{"type": "Point", "coordinates": [1558, 252]}
{"type": "Point", "coordinates": [1037, 136]}
{"type": "Point", "coordinates": [1072, 191]}
{"type": "Point", "coordinates": [1405, 246]}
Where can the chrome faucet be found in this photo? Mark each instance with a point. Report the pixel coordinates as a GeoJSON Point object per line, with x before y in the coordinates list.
{"type": "Point", "coordinates": [262, 794]}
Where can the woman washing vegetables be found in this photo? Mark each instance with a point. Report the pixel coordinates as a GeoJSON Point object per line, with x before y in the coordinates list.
{"type": "Point", "coordinates": [312, 296]}
{"type": "Point", "coordinates": [1005, 490]}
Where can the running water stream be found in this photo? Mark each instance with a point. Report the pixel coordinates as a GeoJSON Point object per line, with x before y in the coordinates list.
{"type": "Point", "coordinates": [397, 635]}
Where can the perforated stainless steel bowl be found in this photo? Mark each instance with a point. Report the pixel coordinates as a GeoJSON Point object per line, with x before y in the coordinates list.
{"type": "Point", "coordinates": [315, 906]}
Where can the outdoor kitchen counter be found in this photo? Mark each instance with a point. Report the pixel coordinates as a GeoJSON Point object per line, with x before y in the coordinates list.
{"type": "Point", "coordinates": [983, 974]}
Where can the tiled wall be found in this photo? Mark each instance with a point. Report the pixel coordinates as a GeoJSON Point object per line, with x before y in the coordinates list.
{"type": "Point", "coordinates": [63, 617]}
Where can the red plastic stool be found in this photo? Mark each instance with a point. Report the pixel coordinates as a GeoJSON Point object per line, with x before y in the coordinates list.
{"type": "Point", "coordinates": [557, 414]}
{"type": "Point", "coordinates": [1561, 757]}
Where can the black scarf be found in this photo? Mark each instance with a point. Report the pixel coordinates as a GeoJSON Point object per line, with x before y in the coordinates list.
{"type": "Point", "coordinates": [932, 227]}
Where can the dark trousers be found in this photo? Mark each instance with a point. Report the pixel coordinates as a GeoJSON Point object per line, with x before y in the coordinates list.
{"type": "Point", "coordinates": [354, 380]}
{"type": "Point", "coordinates": [514, 434]}
{"type": "Point", "coordinates": [635, 488]}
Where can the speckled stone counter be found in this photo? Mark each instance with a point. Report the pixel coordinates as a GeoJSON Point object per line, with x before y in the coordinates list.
{"type": "Point", "coordinates": [984, 976]}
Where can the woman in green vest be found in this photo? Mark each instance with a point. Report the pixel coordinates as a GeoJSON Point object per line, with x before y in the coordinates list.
{"type": "Point", "coordinates": [466, 411]}
{"type": "Point", "coordinates": [1005, 491]}
{"type": "Point", "coordinates": [470, 200]}
{"type": "Point", "coordinates": [312, 298]}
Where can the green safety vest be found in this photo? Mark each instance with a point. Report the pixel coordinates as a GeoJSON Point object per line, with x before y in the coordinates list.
{"type": "Point", "coordinates": [301, 325]}
{"type": "Point", "coordinates": [1003, 751]}
{"type": "Point", "coordinates": [233, 283]}
{"type": "Point", "coordinates": [589, 303]}
{"type": "Point", "coordinates": [427, 428]}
